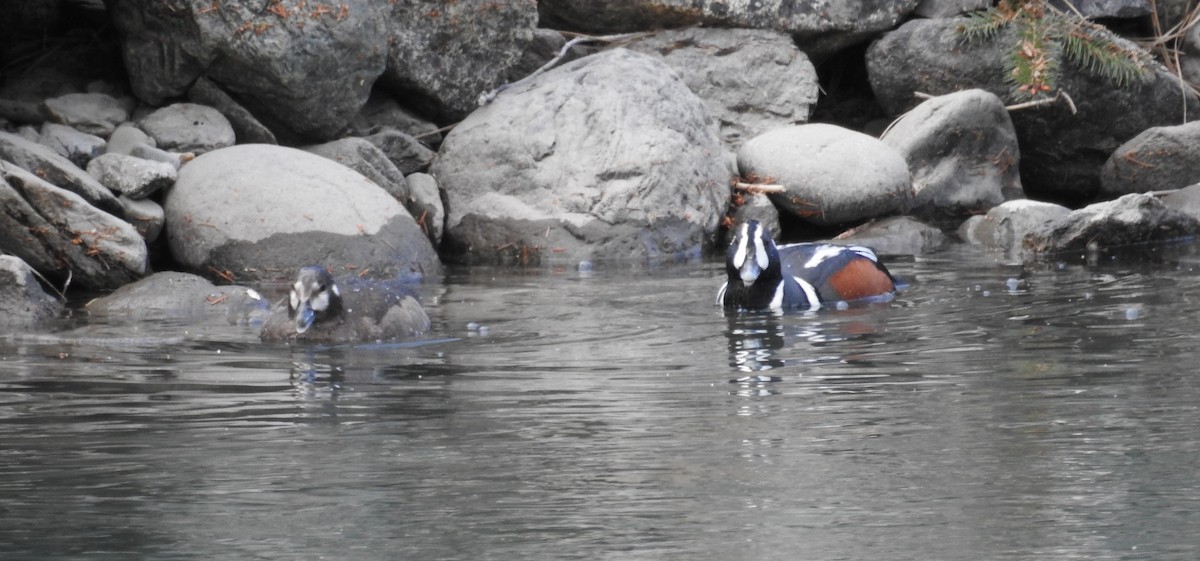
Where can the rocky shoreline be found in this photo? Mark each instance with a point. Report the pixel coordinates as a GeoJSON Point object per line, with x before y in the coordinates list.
{"type": "Point", "coordinates": [384, 139]}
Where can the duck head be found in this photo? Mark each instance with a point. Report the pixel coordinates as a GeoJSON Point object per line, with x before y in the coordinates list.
{"type": "Point", "coordinates": [752, 254]}
{"type": "Point", "coordinates": [314, 297]}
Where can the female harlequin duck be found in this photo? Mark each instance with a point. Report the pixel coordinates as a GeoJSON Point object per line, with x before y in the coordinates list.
{"type": "Point", "coordinates": [316, 311]}
{"type": "Point", "coordinates": [763, 276]}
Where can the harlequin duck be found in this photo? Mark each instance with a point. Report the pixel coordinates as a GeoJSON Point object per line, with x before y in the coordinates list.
{"type": "Point", "coordinates": [317, 311]}
{"type": "Point", "coordinates": [763, 276]}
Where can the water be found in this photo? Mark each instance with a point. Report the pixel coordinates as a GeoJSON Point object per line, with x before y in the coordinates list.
{"type": "Point", "coordinates": [989, 412]}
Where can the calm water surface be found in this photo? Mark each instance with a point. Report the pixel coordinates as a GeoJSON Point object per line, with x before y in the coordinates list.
{"type": "Point", "coordinates": [989, 412]}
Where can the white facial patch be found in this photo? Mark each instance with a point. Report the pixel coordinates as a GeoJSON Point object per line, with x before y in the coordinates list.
{"type": "Point", "coordinates": [294, 296]}
{"type": "Point", "coordinates": [320, 302]}
{"type": "Point", "coordinates": [822, 253]}
{"type": "Point", "coordinates": [739, 256]}
{"type": "Point", "coordinates": [760, 250]}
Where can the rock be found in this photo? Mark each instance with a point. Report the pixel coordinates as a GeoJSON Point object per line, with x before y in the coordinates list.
{"type": "Point", "coordinates": [132, 177]}
{"type": "Point", "coordinates": [962, 152]}
{"type": "Point", "coordinates": [425, 203]}
{"type": "Point", "coordinates": [247, 129]}
{"type": "Point", "coordinates": [754, 207]}
{"type": "Point", "coordinates": [126, 137]}
{"type": "Point", "coordinates": [751, 80]}
{"type": "Point", "coordinates": [1186, 200]}
{"type": "Point", "coordinates": [303, 69]}
{"type": "Point", "coordinates": [383, 113]}
{"type": "Point", "coordinates": [58, 233]}
{"type": "Point", "coordinates": [262, 211]}
{"type": "Point", "coordinates": [77, 147]}
{"type": "Point", "coordinates": [608, 156]}
{"type": "Point", "coordinates": [57, 170]}
{"type": "Point", "coordinates": [181, 297]}
{"type": "Point", "coordinates": [820, 28]}
{"type": "Point", "coordinates": [1093, 9]}
{"type": "Point", "coordinates": [145, 215]}
{"type": "Point", "coordinates": [896, 235]}
{"type": "Point", "coordinates": [831, 175]}
{"type": "Point", "coordinates": [949, 8]}
{"type": "Point", "coordinates": [1158, 159]}
{"type": "Point", "coordinates": [360, 155]}
{"type": "Point", "coordinates": [442, 58]}
{"type": "Point", "coordinates": [187, 127]}
{"type": "Point", "coordinates": [1061, 152]}
{"type": "Point", "coordinates": [405, 152]}
{"type": "Point", "coordinates": [22, 300]}
{"type": "Point", "coordinates": [1005, 227]}
{"type": "Point", "coordinates": [92, 113]}
{"type": "Point", "coordinates": [1134, 218]}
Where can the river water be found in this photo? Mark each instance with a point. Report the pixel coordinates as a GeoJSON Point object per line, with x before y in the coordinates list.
{"type": "Point", "coordinates": [989, 412]}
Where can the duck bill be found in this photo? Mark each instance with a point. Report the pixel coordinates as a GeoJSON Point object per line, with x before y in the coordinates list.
{"type": "Point", "coordinates": [304, 317]}
{"type": "Point", "coordinates": [749, 272]}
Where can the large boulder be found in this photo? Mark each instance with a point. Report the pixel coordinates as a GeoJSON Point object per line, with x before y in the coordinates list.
{"type": "Point", "coordinates": [57, 170]}
{"type": "Point", "coordinates": [1061, 152]}
{"type": "Point", "coordinates": [1131, 219]}
{"type": "Point", "coordinates": [607, 156]}
{"type": "Point", "coordinates": [1158, 159]}
{"type": "Point", "coordinates": [752, 80]}
{"type": "Point", "coordinates": [303, 69]}
{"type": "Point", "coordinates": [821, 27]}
{"type": "Point", "coordinates": [443, 55]}
{"type": "Point", "coordinates": [259, 211]}
{"type": "Point", "coordinates": [62, 236]}
{"type": "Point", "coordinates": [830, 175]}
{"type": "Point", "coordinates": [22, 300]}
{"type": "Point", "coordinates": [181, 297]}
{"type": "Point", "coordinates": [962, 152]}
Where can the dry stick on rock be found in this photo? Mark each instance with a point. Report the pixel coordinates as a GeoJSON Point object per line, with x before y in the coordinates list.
{"type": "Point", "coordinates": [758, 187]}
{"type": "Point", "coordinates": [487, 97]}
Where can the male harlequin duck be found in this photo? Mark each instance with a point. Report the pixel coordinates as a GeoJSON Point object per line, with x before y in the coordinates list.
{"type": "Point", "coordinates": [763, 276]}
{"type": "Point", "coordinates": [317, 311]}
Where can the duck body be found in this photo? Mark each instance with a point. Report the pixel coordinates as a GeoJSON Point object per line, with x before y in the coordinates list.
{"type": "Point", "coordinates": [764, 276]}
{"type": "Point", "coordinates": [317, 310]}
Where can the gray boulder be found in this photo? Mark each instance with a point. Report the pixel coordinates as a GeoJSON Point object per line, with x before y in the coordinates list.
{"type": "Point", "coordinates": [407, 153]}
{"type": "Point", "coordinates": [261, 211]}
{"type": "Point", "coordinates": [425, 203]}
{"type": "Point", "coordinates": [57, 170]}
{"type": "Point", "coordinates": [948, 8]}
{"type": "Point", "coordinates": [77, 147]}
{"type": "Point", "coordinates": [1093, 9]}
{"type": "Point", "coordinates": [22, 300]}
{"type": "Point", "coordinates": [443, 56]}
{"type": "Point", "coordinates": [1131, 219]}
{"type": "Point", "coordinates": [92, 113]}
{"type": "Point", "coordinates": [246, 128]}
{"type": "Point", "coordinates": [302, 69]}
{"type": "Point", "coordinates": [752, 80]}
{"type": "Point", "coordinates": [896, 235]}
{"type": "Point", "coordinates": [1158, 159]}
{"type": "Point", "coordinates": [188, 127]}
{"type": "Point", "coordinates": [62, 236]}
{"type": "Point", "coordinates": [364, 157]}
{"type": "Point", "coordinates": [831, 175]}
{"type": "Point", "coordinates": [609, 156]}
{"type": "Point", "coordinates": [1061, 152]}
{"type": "Point", "coordinates": [820, 28]}
{"type": "Point", "coordinates": [181, 297]}
{"type": "Point", "coordinates": [1186, 200]}
{"type": "Point", "coordinates": [1005, 227]}
{"type": "Point", "coordinates": [132, 177]}
{"type": "Point", "coordinates": [962, 152]}
{"type": "Point", "coordinates": [145, 215]}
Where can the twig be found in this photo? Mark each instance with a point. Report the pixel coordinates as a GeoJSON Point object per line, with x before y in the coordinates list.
{"type": "Point", "coordinates": [487, 97]}
{"type": "Point", "coordinates": [758, 187]}
{"type": "Point", "coordinates": [62, 294]}
{"type": "Point", "coordinates": [1064, 96]}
